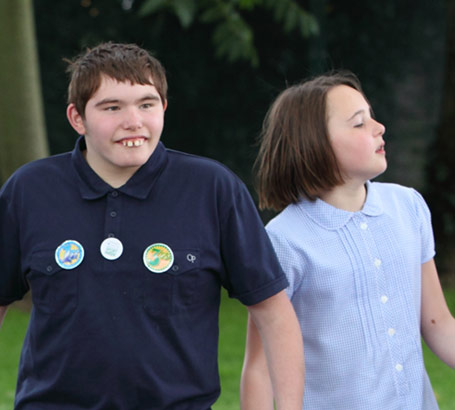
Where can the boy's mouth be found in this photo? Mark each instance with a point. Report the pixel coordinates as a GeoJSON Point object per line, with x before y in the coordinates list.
{"type": "Point", "coordinates": [132, 142]}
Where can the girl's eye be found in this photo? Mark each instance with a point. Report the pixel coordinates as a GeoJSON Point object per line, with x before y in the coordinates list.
{"type": "Point", "coordinates": [360, 125]}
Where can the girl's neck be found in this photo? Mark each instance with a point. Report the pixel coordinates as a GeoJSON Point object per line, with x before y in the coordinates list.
{"type": "Point", "coordinates": [347, 197]}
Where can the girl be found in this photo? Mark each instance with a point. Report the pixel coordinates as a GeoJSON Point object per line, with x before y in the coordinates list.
{"type": "Point", "coordinates": [358, 256]}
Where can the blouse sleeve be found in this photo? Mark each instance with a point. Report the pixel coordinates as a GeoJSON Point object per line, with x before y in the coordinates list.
{"type": "Point", "coordinates": [423, 219]}
{"type": "Point", "coordinates": [290, 260]}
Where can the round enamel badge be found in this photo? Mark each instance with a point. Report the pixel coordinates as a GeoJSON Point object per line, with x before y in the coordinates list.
{"type": "Point", "coordinates": [111, 248]}
{"type": "Point", "coordinates": [69, 254]}
{"type": "Point", "coordinates": [158, 258]}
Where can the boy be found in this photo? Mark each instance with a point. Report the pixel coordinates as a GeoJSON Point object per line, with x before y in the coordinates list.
{"type": "Point", "coordinates": [125, 245]}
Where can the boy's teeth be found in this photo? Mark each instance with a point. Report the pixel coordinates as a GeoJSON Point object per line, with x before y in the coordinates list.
{"type": "Point", "coordinates": [133, 143]}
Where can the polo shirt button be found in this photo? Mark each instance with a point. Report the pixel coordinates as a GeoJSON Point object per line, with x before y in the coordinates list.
{"type": "Point", "coordinates": [114, 194]}
{"type": "Point", "coordinates": [391, 331]}
{"type": "Point", "coordinates": [384, 299]}
{"type": "Point", "coordinates": [398, 367]}
{"type": "Point", "coordinates": [175, 268]}
{"type": "Point", "coordinates": [113, 214]}
{"type": "Point", "coordinates": [49, 268]}
{"type": "Point", "coordinates": [363, 225]}
{"type": "Point", "coordinates": [377, 262]}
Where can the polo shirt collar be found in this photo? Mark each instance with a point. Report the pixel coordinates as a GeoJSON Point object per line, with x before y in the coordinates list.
{"type": "Point", "coordinates": [330, 217]}
{"type": "Point", "coordinates": [91, 186]}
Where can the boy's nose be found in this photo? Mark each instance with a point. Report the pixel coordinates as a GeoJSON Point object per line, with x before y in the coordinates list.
{"type": "Point", "coordinates": [132, 120]}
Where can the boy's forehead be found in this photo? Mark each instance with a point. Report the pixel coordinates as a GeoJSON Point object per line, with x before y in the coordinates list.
{"type": "Point", "coordinates": [105, 79]}
{"type": "Point", "coordinates": [110, 85]}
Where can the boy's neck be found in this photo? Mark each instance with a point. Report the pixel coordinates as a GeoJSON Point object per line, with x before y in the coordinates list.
{"type": "Point", "coordinates": [348, 197]}
{"type": "Point", "coordinates": [113, 177]}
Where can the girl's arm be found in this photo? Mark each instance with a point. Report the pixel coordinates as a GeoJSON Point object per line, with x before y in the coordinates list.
{"type": "Point", "coordinates": [437, 323]}
{"type": "Point", "coordinates": [278, 331]}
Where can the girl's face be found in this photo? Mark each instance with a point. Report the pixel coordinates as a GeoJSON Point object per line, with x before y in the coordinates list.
{"type": "Point", "coordinates": [355, 136]}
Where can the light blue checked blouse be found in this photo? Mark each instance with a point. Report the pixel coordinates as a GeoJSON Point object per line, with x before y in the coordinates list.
{"type": "Point", "coordinates": [355, 282]}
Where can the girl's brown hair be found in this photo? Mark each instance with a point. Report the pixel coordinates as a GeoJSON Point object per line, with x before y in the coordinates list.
{"type": "Point", "coordinates": [122, 62]}
{"type": "Point", "coordinates": [295, 157]}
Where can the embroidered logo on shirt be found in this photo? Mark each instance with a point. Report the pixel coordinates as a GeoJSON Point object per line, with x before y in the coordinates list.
{"type": "Point", "coordinates": [158, 258]}
{"type": "Point", "coordinates": [69, 254]}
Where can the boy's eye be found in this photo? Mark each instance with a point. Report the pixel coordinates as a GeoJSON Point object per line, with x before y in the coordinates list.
{"type": "Point", "coordinates": [148, 105]}
{"type": "Point", "coordinates": [112, 108]}
{"type": "Point", "coordinates": [360, 125]}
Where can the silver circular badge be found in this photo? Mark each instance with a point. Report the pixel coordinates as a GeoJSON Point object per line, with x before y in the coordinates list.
{"type": "Point", "coordinates": [111, 248]}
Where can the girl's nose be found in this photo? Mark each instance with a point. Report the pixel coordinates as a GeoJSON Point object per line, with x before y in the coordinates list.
{"type": "Point", "coordinates": [379, 130]}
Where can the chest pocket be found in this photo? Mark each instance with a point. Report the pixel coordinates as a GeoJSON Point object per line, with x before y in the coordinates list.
{"type": "Point", "coordinates": [54, 290]}
{"type": "Point", "coordinates": [176, 289]}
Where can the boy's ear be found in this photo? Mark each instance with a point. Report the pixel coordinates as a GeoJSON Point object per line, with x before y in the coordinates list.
{"type": "Point", "coordinates": [164, 105]}
{"type": "Point", "coordinates": [75, 119]}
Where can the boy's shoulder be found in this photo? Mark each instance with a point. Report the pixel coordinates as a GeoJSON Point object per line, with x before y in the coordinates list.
{"type": "Point", "coordinates": [203, 168]}
{"type": "Point", "coordinates": [39, 170]}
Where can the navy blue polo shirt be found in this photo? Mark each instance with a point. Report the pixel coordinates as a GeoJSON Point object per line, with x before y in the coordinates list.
{"type": "Point", "coordinates": [120, 334]}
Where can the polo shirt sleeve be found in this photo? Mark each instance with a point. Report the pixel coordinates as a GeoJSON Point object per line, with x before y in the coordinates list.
{"type": "Point", "coordinates": [12, 285]}
{"type": "Point", "coordinates": [253, 272]}
{"type": "Point", "coordinates": [423, 216]}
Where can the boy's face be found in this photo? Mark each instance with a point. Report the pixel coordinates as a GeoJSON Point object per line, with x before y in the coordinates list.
{"type": "Point", "coordinates": [122, 126]}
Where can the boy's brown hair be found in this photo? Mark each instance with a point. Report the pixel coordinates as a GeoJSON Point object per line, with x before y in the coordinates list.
{"type": "Point", "coordinates": [295, 157]}
{"type": "Point", "coordinates": [122, 62]}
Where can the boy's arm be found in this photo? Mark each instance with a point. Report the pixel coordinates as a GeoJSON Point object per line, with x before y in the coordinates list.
{"type": "Point", "coordinates": [279, 331]}
{"type": "Point", "coordinates": [3, 310]}
{"type": "Point", "coordinates": [437, 323]}
{"type": "Point", "coordinates": [256, 387]}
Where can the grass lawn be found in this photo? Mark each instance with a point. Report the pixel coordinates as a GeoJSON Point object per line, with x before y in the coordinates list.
{"type": "Point", "coordinates": [232, 343]}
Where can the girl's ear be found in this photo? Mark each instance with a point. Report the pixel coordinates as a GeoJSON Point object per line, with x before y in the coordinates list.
{"type": "Point", "coordinates": [75, 119]}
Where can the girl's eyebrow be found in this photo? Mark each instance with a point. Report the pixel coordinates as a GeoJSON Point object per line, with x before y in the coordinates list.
{"type": "Point", "coordinates": [356, 113]}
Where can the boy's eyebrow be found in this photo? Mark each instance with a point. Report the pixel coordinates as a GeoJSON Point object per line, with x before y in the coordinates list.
{"type": "Point", "coordinates": [146, 97]}
{"type": "Point", "coordinates": [107, 101]}
{"type": "Point", "coordinates": [150, 97]}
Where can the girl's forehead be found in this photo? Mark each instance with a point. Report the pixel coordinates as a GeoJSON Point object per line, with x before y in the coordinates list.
{"type": "Point", "coordinates": [343, 100]}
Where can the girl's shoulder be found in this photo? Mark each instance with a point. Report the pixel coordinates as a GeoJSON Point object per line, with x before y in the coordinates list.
{"type": "Point", "coordinates": [398, 197]}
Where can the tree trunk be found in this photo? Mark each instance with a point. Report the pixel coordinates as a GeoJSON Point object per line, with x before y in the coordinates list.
{"type": "Point", "coordinates": [22, 129]}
